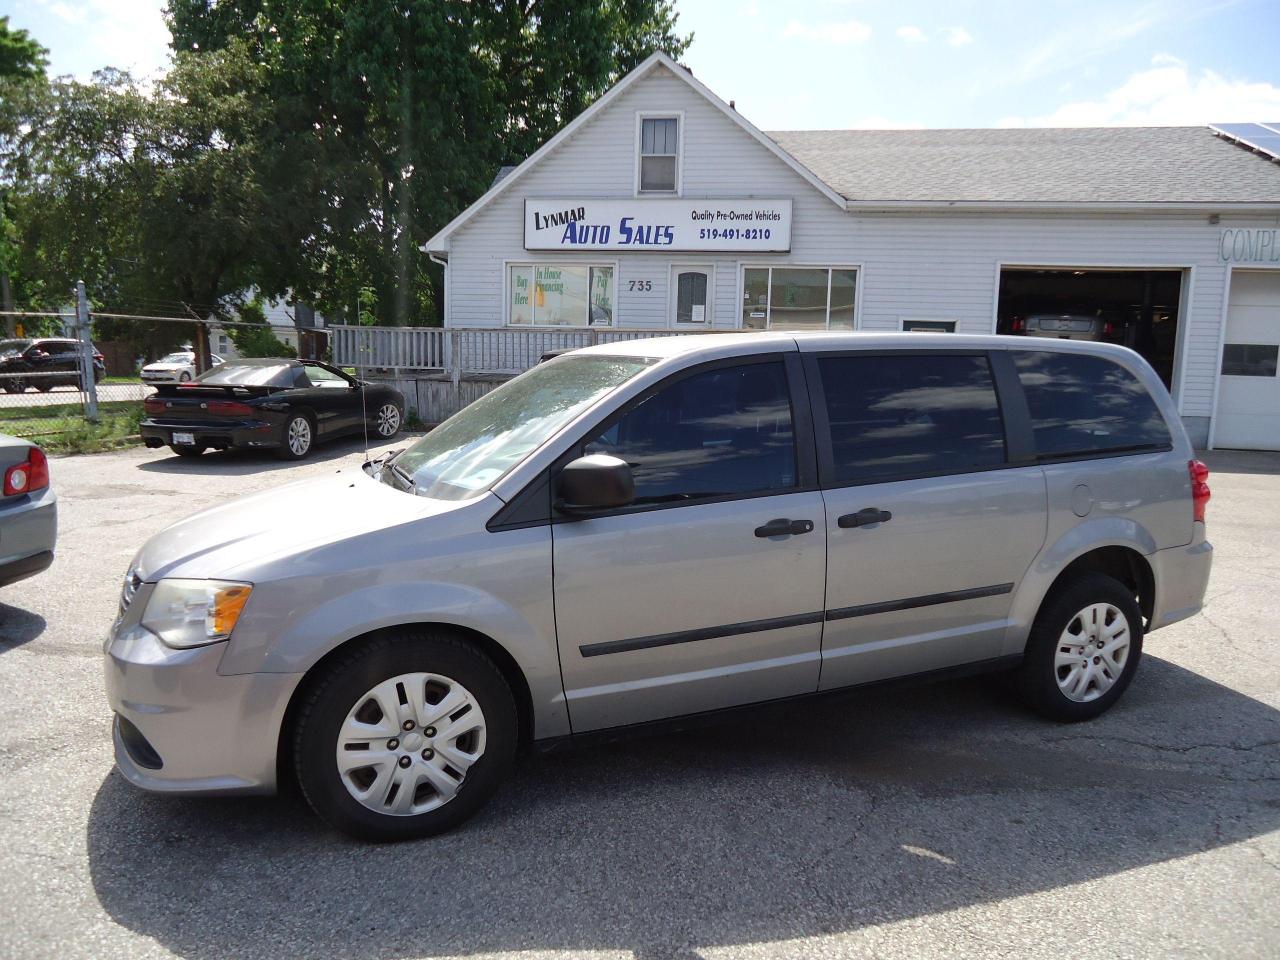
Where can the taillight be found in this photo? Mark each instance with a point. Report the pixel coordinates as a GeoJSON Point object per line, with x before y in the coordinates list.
{"type": "Point", "coordinates": [229, 408]}
{"type": "Point", "coordinates": [1108, 328]}
{"type": "Point", "coordinates": [1018, 325]}
{"type": "Point", "coordinates": [1199, 488]}
{"type": "Point", "coordinates": [27, 477]}
{"type": "Point", "coordinates": [153, 405]}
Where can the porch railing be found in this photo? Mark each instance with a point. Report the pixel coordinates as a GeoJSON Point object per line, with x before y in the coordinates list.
{"type": "Point", "coordinates": [462, 350]}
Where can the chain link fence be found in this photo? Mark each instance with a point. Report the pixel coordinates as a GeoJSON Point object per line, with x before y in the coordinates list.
{"type": "Point", "coordinates": [53, 388]}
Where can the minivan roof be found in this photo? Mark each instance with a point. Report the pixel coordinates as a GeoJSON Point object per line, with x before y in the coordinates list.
{"type": "Point", "coordinates": [716, 345]}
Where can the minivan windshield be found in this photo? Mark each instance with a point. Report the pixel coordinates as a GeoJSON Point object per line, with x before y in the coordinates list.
{"type": "Point", "coordinates": [472, 449]}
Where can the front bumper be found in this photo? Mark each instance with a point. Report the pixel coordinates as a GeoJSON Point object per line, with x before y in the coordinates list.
{"type": "Point", "coordinates": [257, 433]}
{"type": "Point", "coordinates": [210, 734]}
{"type": "Point", "coordinates": [28, 534]}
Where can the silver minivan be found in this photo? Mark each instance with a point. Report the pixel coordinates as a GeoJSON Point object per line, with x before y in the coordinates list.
{"type": "Point", "coordinates": [655, 529]}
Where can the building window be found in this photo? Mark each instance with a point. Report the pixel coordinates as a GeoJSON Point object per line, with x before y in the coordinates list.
{"type": "Point", "coordinates": [223, 343]}
{"type": "Point", "coordinates": [560, 295]}
{"type": "Point", "coordinates": [659, 154]}
{"type": "Point", "coordinates": [798, 298]}
{"type": "Point", "coordinates": [1249, 359]}
{"type": "Point", "coordinates": [912, 325]}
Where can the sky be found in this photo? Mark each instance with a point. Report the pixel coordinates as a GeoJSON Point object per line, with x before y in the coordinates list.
{"type": "Point", "coordinates": [803, 64]}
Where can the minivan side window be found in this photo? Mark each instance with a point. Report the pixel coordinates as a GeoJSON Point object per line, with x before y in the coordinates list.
{"type": "Point", "coordinates": [721, 432]}
{"type": "Point", "coordinates": [894, 417]}
{"type": "Point", "coordinates": [1083, 405]}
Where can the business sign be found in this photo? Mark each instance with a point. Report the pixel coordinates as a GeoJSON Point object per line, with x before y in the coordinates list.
{"type": "Point", "coordinates": [1249, 246]}
{"type": "Point", "coordinates": [657, 224]}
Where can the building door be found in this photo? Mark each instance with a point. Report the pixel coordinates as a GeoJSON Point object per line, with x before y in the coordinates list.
{"type": "Point", "coordinates": [707, 591]}
{"type": "Point", "coordinates": [690, 295]}
{"type": "Point", "coordinates": [1248, 416]}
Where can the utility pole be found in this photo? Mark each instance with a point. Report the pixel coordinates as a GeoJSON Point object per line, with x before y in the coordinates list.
{"type": "Point", "coordinates": [84, 333]}
{"type": "Point", "coordinates": [200, 343]}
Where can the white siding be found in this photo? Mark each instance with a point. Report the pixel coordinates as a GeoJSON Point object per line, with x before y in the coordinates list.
{"type": "Point", "coordinates": [943, 266]}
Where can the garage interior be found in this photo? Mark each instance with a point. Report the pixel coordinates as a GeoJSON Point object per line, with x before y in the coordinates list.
{"type": "Point", "coordinates": [1139, 308]}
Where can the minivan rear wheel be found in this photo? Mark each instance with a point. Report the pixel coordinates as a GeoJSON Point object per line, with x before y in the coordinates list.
{"type": "Point", "coordinates": [1083, 649]}
{"type": "Point", "coordinates": [405, 736]}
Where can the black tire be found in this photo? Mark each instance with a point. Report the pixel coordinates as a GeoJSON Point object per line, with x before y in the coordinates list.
{"type": "Point", "coordinates": [347, 678]}
{"type": "Point", "coordinates": [183, 450]}
{"type": "Point", "coordinates": [286, 452]}
{"type": "Point", "coordinates": [15, 385]}
{"type": "Point", "coordinates": [44, 386]}
{"type": "Point", "coordinates": [1036, 680]}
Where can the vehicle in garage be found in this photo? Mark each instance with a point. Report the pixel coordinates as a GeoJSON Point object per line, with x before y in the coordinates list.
{"type": "Point", "coordinates": [708, 506]}
{"type": "Point", "coordinates": [176, 367]}
{"type": "Point", "coordinates": [28, 511]}
{"type": "Point", "coordinates": [44, 363]}
{"type": "Point", "coordinates": [279, 404]}
{"type": "Point", "coordinates": [1065, 326]}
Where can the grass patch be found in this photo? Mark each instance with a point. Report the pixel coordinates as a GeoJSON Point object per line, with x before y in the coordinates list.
{"type": "Point", "coordinates": [63, 429]}
{"type": "Point", "coordinates": [119, 380]}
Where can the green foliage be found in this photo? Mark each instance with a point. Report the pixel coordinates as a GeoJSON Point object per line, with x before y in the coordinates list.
{"type": "Point", "coordinates": [402, 111]}
{"type": "Point", "coordinates": [304, 145]}
{"type": "Point", "coordinates": [20, 56]}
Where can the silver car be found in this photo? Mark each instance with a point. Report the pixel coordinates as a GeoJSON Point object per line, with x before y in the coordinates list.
{"type": "Point", "coordinates": [1067, 326]}
{"type": "Point", "coordinates": [28, 511]}
{"type": "Point", "coordinates": [654, 529]}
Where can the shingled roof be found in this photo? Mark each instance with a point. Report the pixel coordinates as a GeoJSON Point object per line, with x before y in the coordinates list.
{"type": "Point", "coordinates": [1064, 165]}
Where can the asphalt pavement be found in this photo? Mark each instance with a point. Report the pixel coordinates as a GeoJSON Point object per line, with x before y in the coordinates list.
{"type": "Point", "coordinates": [914, 822]}
{"type": "Point", "coordinates": [58, 396]}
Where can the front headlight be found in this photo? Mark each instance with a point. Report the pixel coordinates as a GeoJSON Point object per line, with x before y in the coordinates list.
{"type": "Point", "coordinates": [191, 613]}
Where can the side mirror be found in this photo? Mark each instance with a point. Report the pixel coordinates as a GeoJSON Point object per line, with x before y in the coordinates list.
{"type": "Point", "coordinates": [593, 483]}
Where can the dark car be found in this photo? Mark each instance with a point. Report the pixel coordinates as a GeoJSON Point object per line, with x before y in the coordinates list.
{"type": "Point", "coordinates": [44, 363]}
{"type": "Point", "coordinates": [284, 405]}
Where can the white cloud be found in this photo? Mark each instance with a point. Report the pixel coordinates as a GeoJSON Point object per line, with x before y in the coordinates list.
{"type": "Point", "coordinates": [68, 12]}
{"type": "Point", "coordinates": [129, 34]}
{"type": "Point", "coordinates": [910, 34]}
{"type": "Point", "coordinates": [1167, 94]}
{"type": "Point", "coordinates": [878, 122]}
{"type": "Point", "coordinates": [851, 31]}
{"type": "Point", "coordinates": [957, 36]}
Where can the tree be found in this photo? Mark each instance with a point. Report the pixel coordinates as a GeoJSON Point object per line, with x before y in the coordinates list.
{"type": "Point", "coordinates": [156, 198]}
{"type": "Point", "coordinates": [22, 63]}
{"type": "Point", "coordinates": [21, 58]}
{"type": "Point", "coordinates": [402, 110]}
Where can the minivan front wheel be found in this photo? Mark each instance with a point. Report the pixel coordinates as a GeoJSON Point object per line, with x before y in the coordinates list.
{"type": "Point", "coordinates": [405, 737]}
{"type": "Point", "coordinates": [1083, 650]}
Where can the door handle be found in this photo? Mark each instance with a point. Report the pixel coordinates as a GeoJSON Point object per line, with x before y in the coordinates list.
{"type": "Point", "coordinates": [784, 528]}
{"type": "Point", "coordinates": [864, 517]}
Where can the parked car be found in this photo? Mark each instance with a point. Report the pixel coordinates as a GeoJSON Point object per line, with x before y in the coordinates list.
{"type": "Point", "coordinates": [28, 511]}
{"type": "Point", "coordinates": [284, 405]}
{"type": "Point", "coordinates": [44, 363]}
{"type": "Point", "coordinates": [177, 367]}
{"type": "Point", "coordinates": [658, 528]}
{"type": "Point", "coordinates": [1066, 326]}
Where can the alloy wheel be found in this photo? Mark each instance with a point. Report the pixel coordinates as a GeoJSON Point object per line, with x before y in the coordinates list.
{"type": "Point", "coordinates": [407, 744]}
{"type": "Point", "coordinates": [388, 420]}
{"type": "Point", "coordinates": [299, 436]}
{"type": "Point", "coordinates": [1092, 652]}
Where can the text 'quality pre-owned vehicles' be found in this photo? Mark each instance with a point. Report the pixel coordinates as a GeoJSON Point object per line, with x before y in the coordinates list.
{"type": "Point", "coordinates": [730, 520]}
{"type": "Point", "coordinates": [284, 405]}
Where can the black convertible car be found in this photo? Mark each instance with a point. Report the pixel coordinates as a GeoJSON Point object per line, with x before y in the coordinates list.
{"type": "Point", "coordinates": [287, 405]}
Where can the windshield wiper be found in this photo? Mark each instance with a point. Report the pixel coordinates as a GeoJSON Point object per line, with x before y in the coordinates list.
{"type": "Point", "coordinates": [411, 485]}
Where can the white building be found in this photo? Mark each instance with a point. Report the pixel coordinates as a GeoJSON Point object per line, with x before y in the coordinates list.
{"type": "Point", "coordinates": [662, 207]}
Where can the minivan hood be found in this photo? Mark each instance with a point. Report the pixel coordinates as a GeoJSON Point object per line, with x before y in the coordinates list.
{"type": "Point", "coordinates": [243, 538]}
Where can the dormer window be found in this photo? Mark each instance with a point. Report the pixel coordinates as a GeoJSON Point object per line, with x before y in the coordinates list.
{"type": "Point", "coordinates": [659, 154]}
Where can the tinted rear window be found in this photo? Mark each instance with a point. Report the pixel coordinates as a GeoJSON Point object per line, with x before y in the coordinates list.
{"type": "Point", "coordinates": [904, 416]}
{"type": "Point", "coordinates": [1082, 405]}
{"type": "Point", "coordinates": [250, 375]}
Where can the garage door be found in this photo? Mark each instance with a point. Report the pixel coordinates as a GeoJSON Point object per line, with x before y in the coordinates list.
{"type": "Point", "coordinates": [1249, 396]}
